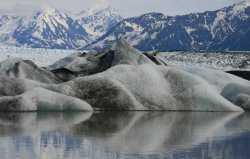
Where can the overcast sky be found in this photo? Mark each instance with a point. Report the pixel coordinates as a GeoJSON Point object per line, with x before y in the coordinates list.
{"type": "Point", "coordinates": [126, 8]}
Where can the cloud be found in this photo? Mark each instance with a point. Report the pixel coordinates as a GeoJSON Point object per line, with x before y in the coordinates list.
{"type": "Point", "coordinates": [21, 8]}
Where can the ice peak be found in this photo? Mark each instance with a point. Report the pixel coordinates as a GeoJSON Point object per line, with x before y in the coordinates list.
{"type": "Point", "coordinates": [97, 9]}
{"type": "Point", "coordinates": [243, 4]}
{"type": "Point", "coordinates": [240, 8]}
{"type": "Point", "coordinates": [49, 10]}
{"type": "Point", "coordinates": [246, 3]}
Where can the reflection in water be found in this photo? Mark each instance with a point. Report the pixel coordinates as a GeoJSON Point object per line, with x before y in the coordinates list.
{"type": "Point", "coordinates": [124, 135]}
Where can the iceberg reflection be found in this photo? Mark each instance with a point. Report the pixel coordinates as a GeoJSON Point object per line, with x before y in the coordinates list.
{"type": "Point", "coordinates": [115, 134]}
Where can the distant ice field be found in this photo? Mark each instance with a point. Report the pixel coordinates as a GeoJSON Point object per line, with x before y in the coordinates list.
{"type": "Point", "coordinates": [213, 60]}
{"type": "Point", "coordinates": [41, 57]}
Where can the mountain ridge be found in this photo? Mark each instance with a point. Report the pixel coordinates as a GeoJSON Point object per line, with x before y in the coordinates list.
{"type": "Point", "coordinates": [210, 30]}
{"type": "Point", "coordinates": [51, 28]}
{"type": "Point", "coordinates": [226, 29]}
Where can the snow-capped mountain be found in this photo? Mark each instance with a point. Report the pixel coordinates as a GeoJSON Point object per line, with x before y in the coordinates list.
{"type": "Point", "coordinates": [97, 21]}
{"type": "Point", "coordinates": [224, 29]}
{"type": "Point", "coordinates": [48, 28]}
{"type": "Point", "coordinates": [51, 28]}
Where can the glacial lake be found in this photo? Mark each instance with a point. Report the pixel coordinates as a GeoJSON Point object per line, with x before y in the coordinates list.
{"type": "Point", "coordinates": [111, 135]}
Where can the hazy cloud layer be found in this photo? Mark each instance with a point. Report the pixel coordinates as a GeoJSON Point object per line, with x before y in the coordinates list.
{"type": "Point", "coordinates": [125, 7]}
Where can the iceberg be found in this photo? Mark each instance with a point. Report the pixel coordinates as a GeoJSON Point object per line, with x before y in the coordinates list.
{"type": "Point", "coordinates": [126, 54]}
{"type": "Point", "coordinates": [41, 99]}
{"type": "Point", "coordinates": [147, 87]}
{"type": "Point", "coordinates": [25, 69]}
{"type": "Point", "coordinates": [238, 94]}
{"type": "Point", "coordinates": [118, 78]}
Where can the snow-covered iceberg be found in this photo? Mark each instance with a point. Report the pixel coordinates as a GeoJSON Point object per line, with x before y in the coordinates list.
{"type": "Point", "coordinates": [117, 78]}
{"type": "Point", "coordinates": [40, 99]}
{"type": "Point", "coordinates": [25, 69]}
{"type": "Point", "coordinates": [147, 87]}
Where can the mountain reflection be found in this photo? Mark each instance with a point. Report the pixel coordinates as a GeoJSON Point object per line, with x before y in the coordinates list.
{"type": "Point", "coordinates": [114, 134]}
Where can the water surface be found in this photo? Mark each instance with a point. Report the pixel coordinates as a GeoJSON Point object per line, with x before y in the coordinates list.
{"type": "Point", "coordinates": [125, 135]}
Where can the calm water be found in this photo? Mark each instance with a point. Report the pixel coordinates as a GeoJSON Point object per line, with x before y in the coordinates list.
{"type": "Point", "coordinates": [125, 135]}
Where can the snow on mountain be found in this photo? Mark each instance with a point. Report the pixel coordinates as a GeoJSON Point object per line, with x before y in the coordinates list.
{"type": "Point", "coordinates": [224, 29]}
{"type": "Point", "coordinates": [7, 28]}
{"type": "Point", "coordinates": [97, 27]}
{"type": "Point", "coordinates": [90, 11]}
{"type": "Point", "coordinates": [98, 21]}
{"type": "Point", "coordinates": [51, 28]}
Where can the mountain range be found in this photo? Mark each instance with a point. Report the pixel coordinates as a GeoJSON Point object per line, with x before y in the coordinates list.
{"type": "Point", "coordinates": [51, 28]}
{"type": "Point", "coordinates": [224, 29]}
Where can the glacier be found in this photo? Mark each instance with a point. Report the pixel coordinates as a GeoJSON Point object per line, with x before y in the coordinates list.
{"type": "Point", "coordinates": [118, 78]}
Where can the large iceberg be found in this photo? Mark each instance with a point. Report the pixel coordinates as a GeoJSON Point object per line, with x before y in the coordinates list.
{"type": "Point", "coordinates": [118, 78]}
{"type": "Point", "coordinates": [146, 87]}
